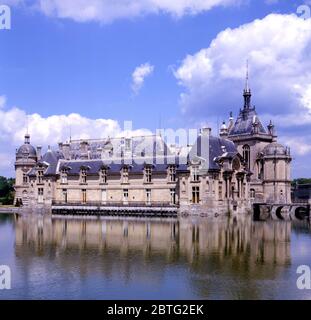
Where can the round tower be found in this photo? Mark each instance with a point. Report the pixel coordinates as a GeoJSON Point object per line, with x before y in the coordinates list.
{"type": "Point", "coordinates": [26, 159]}
{"type": "Point", "coordinates": [276, 173]}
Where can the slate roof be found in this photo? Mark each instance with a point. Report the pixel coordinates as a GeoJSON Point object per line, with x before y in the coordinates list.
{"type": "Point", "coordinates": [50, 160]}
{"type": "Point", "coordinates": [206, 147]}
{"type": "Point", "coordinates": [150, 145]}
{"type": "Point", "coordinates": [136, 166]}
{"type": "Point", "coordinates": [216, 147]}
{"type": "Point", "coordinates": [244, 123]}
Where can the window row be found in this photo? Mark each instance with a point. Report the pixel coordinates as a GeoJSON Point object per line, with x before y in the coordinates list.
{"type": "Point", "coordinates": [103, 175]}
{"type": "Point", "coordinates": [104, 198]}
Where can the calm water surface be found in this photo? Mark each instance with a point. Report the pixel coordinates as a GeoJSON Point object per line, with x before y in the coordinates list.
{"type": "Point", "coordinates": [126, 259]}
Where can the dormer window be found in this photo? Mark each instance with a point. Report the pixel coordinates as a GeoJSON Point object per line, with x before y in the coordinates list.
{"type": "Point", "coordinates": [195, 174]}
{"type": "Point", "coordinates": [83, 174]}
{"type": "Point", "coordinates": [172, 173]}
{"type": "Point", "coordinates": [148, 174]}
{"type": "Point", "coordinates": [63, 177]}
{"type": "Point", "coordinates": [103, 175]}
{"type": "Point", "coordinates": [125, 174]}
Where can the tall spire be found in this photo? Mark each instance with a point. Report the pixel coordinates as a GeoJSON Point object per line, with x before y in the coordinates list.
{"type": "Point", "coordinates": [246, 81]}
{"type": "Point", "coordinates": [247, 91]}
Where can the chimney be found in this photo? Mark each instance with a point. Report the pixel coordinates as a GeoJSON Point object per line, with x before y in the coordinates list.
{"type": "Point", "coordinates": [206, 131]}
{"type": "Point", "coordinates": [39, 150]}
{"type": "Point", "coordinates": [84, 150]}
{"type": "Point", "coordinates": [65, 149]}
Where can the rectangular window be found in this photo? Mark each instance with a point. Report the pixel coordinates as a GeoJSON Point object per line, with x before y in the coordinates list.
{"type": "Point", "coordinates": [125, 175]}
{"type": "Point", "coordinates": [40, 176]}
{"type": "Point", "coordinates": [64, 177]}
{"type": "Point", "coordinates": [148, 175]}
{"type": "Point", "coordinates": [195, 195]}
{"type": "Point", "coordinates": [25, 178]}
{"type": "Point", "coordinates": [65, 195]}
{"type": "Point", "coordinates": [104, 176]}
{"type": "Point", "coordinates": [104, 196]}
{"type": "Point", "coordinates": [195, 174]}
{"type": "Point", "coordinates": [125, 195]}
{"type": "Point", "coordinates": [83, 176]}
{"type": "Point", "coordinates": [220, 191]}
{"type": "Point", "coordinates": [148, 196]}
{"type": "Point", "coordinates": [83, 195]}
{"type": "Point", "coordinates": [172, 174]}
{"type": "Point", "coordinates": [173, 196]}
{"type": "Point", "coordinates": [40, 195]}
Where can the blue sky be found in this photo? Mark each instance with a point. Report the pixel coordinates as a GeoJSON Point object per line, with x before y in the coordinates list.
{"type": "Point", "coordinates": [55, 61]}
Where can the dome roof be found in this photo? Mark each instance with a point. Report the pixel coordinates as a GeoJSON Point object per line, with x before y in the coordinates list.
{"type": "Point", "coordinates": [274, 149]}
{"type": "Point", "coordinates": [26, 150]}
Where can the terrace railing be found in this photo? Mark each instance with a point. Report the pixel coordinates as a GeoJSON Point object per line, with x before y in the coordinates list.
{"type": "Point", "coordinates": [120, 204]}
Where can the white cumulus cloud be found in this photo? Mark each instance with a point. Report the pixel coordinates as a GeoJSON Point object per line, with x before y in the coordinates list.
{"type": "Point", "coordinates": [106, 11]}
{"type": "Point", "coordinates": [278, 48]}
{"type": "Point", "coordinates": [50, 130]}
{"type": "Point", "coordinates": [139, 75]}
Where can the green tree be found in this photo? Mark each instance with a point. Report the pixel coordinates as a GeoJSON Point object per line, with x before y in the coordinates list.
{"type": "Point", "coordinates": [6, 190]}
{"type": "Point", "coordinates": [301, 181]}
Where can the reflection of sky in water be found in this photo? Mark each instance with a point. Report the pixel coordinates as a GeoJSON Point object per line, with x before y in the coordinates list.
{"type": "Point", "coordinates": [126, 259]}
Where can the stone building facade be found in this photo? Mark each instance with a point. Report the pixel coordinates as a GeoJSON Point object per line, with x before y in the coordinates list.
{"type": "Point", "coordinates": [244, 164]}
{"type": "Point", "coordinates": [267, 160]}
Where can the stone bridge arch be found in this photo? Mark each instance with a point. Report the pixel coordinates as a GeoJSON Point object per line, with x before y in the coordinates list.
{"type": "Point", "coordinates": [280, 212]}
{"type": "Point", "coordinates": [299, 212]}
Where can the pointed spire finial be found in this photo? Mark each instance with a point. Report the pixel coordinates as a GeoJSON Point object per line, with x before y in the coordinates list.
{"type": "Point", "coordinates": [247, 91]}
{"type": "Point", "coordinates": [247, 77]}
{"type": "Point", "coordinates": [27, 135]}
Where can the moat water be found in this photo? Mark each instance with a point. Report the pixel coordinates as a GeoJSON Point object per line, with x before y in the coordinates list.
{"type": "Point", "coordinates": [126, 259]}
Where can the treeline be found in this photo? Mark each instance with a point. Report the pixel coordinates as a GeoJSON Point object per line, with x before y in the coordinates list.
{"type": "Point", "coordinates": [6, 190]}
{"type": "Point", "coordinates": [301, 181]}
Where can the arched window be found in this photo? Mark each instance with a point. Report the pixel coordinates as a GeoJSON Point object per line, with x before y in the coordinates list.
{"type": "Point", "coordinates": [252, 193]}
{"type": "Point", "coordinates": [260, 165]}
{"type": "Point", "coordinates": [246, 155]}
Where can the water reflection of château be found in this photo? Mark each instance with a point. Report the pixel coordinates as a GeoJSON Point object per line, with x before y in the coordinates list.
{"type": "Point", "coordinates": [243, 240]}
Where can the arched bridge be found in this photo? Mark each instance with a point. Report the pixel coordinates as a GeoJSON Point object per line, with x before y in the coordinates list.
{"type": "Point", "coordinates": [288, 212]}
